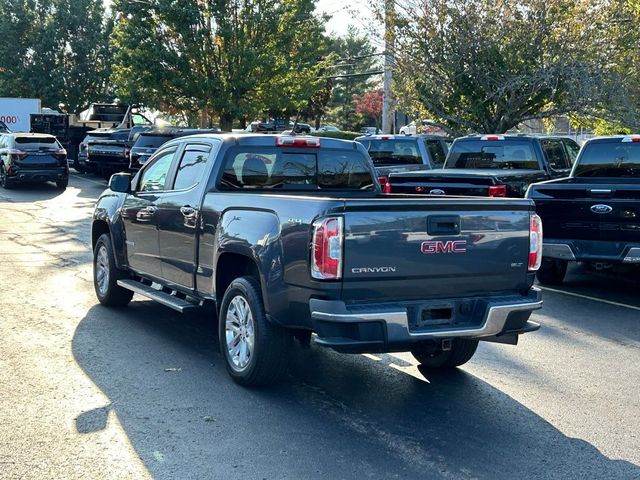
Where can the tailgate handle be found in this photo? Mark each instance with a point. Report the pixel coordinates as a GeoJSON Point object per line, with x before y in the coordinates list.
{"type": "Point", "coordinates": [443, 225]}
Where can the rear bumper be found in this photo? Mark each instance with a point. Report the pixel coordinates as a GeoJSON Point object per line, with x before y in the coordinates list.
{"type": "Point", "coordinates": [39, 175]}
{"type": "Point", "coordinates": [592, 251]}
{"type": "Point", "coordinates": [396, 327]}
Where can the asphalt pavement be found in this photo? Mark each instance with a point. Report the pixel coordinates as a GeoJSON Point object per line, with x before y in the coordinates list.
{"type": "Point", "coordinates": [141, 392]}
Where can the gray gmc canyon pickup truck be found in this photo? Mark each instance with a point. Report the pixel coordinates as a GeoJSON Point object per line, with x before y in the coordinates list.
{"type": "Point", "coordinates": [291, 235]}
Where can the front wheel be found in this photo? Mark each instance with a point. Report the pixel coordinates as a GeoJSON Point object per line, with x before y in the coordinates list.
{"type": "Point", "coordinates": [462, 349]}
{"type": "Point", "coordinates": [552, 271]}
{"type": "Point", "coordinates": [255, 350]}
{"type": "Point", "coordinates": [5, 182]}
{"type": "Point", "coordinates": [106, 275]}
{"type": "Point", "coordinates": [62, 184]}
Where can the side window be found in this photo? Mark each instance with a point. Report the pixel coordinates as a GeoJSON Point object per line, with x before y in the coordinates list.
{"type": "Point", "coordinates": [192, 166]}
{"type": "Point", "coordinates": [154, 177]}
{"type": "Point", "coordinates": [555, 154]}
{"type": "Point", "coordinates": [572, 150]}
{"type": "Point", "coordinates": [436, 152]}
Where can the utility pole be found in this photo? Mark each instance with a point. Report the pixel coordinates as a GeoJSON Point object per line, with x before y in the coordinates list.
{"type": "Point", "coordinates": [389, 47]}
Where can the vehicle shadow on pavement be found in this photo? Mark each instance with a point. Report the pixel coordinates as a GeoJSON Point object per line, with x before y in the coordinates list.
{"type": "Point", "coordinates": [24, 192]}
{"type": "Point", "coordinates": [334, 416]}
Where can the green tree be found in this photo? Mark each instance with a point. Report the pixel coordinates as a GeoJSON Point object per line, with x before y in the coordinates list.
{"type": "Point", "coordinates": [355, 55]}
{"type": "Point", "coordinates": [486, 66]}
{"type": "Point", "coordinates": [58, 51]}
{"type": "Point", "coordinates": [233, 59]}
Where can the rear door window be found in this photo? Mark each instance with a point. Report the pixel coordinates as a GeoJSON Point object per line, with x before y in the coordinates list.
{"type": "Point", "coordinates": [277, 168]}
{"type": "Point", "coordinates": [436, 152]}
{"type": "Point", "coordinates": [192, 166]}
{"type": "Point", "coordinates": [37, 143]}
{"type": "Point", "coordinates": [609, 159]}
{"type": "Point", "coordinates": [492, 154]}
{"type": "Point", "coordinates": [556, 155]}
{"type": "Point", "coordinates": [393, 151]}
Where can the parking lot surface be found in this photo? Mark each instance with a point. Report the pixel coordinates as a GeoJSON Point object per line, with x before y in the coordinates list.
{"type": "Point", "coordinates": [88, 392]}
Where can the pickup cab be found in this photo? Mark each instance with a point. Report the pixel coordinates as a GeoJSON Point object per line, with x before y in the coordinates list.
{"type": "Point", "coordinates": [404, 153]}
{"type": "Point", "coordinates": [290, 236]}
{"type": "Point", "coordinates": [492, 166]}
{"type": "Point", "coordinates": [592, 216]}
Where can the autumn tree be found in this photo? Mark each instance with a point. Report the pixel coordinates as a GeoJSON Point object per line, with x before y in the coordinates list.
{"type": "Point", "coordinates": [370, 105]}
{"type": "Point", "coordinates": [486, 66]}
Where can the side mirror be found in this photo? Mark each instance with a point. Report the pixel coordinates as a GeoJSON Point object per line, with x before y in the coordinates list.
{"type": "Point", "coordinates": [120, 182]}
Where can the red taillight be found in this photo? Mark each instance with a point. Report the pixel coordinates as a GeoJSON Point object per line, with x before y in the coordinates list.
{"type": "Point", "coordinates": [383, 181]}
{"type": "Point", "coordinates": [497, 190]}
{"type": "Point", "coordinates": [632, 138]}
{"type": "Point", "coordinates": [386, 188]}
{"type": "Point", "coordinates": [326, 249]}
{"type": "Point", "coordinates": [304, 142]}
{"type": "Point", "coordinates": [18, 154]}
{"type": "Point", "coordinates": [60, 154]}
{"type": "Point", "coordinates": [535, 243]}
{"type": "Point", "coordinates": [492, 137]}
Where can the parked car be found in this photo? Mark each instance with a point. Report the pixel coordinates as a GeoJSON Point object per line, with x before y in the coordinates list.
{"type": "Point", "coordinates": [32, 157]}
{"type": "Point", "coordinates": [79, 163]}
{"type": "Point", "coordinates": [402, 153]}
{"type": "Point", "coordinates": [276, 231]}
{"type": "Point", "coordinates": [108, 155]}
{"type": "Point", "coordinates": [149, 141]}
{"type": "Point", "coordinates": [492, 166]}
{"type": "Point", "coordinates": [329, 128]}
{"type": "Point", "coordinates": [369, 130]}
{"type": "Point", "coordinates": [593, 215]}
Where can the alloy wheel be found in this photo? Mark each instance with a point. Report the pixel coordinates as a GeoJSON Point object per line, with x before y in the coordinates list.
{"type": "Point", "coordinates": [239, 332]}
{"type": "Point", "coordinates": [102, 270]}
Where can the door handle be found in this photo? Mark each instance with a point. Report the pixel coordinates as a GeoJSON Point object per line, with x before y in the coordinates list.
{"type": "Point", "coordinates": [187, 211]}
{"type": "Point", "coordinates": [151, 209]}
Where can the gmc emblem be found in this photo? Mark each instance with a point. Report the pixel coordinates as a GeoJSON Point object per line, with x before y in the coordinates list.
{"type": "Point", "coordinates": [449, 246]}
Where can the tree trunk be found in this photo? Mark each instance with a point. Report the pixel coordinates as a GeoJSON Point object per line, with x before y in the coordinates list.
{"type": "Point", "coordinates": [318, 119]}
{"type": "Point", "coordinates": [226, 122]}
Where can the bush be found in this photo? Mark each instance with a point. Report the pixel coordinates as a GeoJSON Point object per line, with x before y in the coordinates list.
{"type": "Point", "coordinates": [338, 135]}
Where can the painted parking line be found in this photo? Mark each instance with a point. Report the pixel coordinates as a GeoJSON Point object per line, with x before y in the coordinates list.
{"type": "Point", "coordinates": [587, 297]}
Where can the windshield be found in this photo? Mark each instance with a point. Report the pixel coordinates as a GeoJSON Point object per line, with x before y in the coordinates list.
{"type": "Point", "coordinates": [152, 141]}
{"type": "Point", "coordinates": [609, 159]}
{"type": "Point", "coordinates": [493, 154]}
{"type": "Point", "coordinates": [37, 143]}
{"type": "Point", "coordinates": [393, 151]}
{"type": "Point", "coordinates": [277, 168]}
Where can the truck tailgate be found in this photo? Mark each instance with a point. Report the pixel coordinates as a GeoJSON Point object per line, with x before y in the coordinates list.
{"type": "Point", "coordinates": [411, 248]}
{"type": "Point", "coordinates": [582, 209]}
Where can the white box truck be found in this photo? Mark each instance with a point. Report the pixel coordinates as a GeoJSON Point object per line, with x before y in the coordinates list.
{"type": "Point", "coordinates": [15, 112]}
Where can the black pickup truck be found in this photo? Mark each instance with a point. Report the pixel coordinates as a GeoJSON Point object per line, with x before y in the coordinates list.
{"type": "Point", "coordinates": [292, 235]}
{"type": "Point", "coordinates": [492, 166]}
{"type": "Point", "coordinates": [592, 216]}
{"type": "Point", "coordinates": [109, 154]}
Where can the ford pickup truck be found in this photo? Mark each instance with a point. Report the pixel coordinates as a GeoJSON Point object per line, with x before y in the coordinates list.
{"type": "Point", "coordinates": [593, 215]}
{"type": "Point", "coordinates": [105, 155]}
{"type": "Point", "coordinates": [291, 235]}
{"type": "Point", "coordinates": [492, 166]}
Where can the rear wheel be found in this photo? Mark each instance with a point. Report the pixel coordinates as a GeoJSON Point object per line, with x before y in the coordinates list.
{"type": "Point", "coordinates": [552, 271]}
{"type": "Point", "coordinates": [106, 275]}
{"type": "Point", "coordinates": [255, 350]}
{"type": "Point", "coordinates": [5, 182]}
{"type": "Point", "coordinates": [462, 349]}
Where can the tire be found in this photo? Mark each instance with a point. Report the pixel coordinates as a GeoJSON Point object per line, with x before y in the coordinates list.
{"type": "Point", "coordinates": [266, 346]}
{"type": "Point", "coordinates": [462, 349]}
{"type": "Point", "coordinates": [109, 293]}
{"type": "Point", "coordinates": [62, 184]}
{"type": "Point", "coordinates": [551, 271]}
{"type": "Point", "coordinates": [5, 182]}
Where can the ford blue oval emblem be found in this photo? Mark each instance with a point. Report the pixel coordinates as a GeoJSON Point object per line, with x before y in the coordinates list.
{"type": "Point", "coordinates": [600, 208]}
{"type": "Point", "coordinates": [436, 191]}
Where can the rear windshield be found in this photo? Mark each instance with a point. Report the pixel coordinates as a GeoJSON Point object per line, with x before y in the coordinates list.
{"type": "Point", "coordinates": [393, 151]}
{"type": "Point", "coordinates": [610, 159]}
{"type": "Point", "coordinates": [281, 168]}
{"type": "Point", "coordinates": [37, 143]}
{"type": "Point", "coordinates": [511, 154]}
{"type": "Point", "coordinates": [152, 141]}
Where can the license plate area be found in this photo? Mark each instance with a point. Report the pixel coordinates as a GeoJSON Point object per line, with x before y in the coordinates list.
{"type": "Point", "coordinates": [447, 314]}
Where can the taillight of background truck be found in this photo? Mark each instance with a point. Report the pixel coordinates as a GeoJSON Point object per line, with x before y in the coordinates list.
{"type": "Point", "coordinates": [16, 154]}
{"type": "Point", "coordinates": [326, 249]}
{"type": "Point", "coordinates": [497, 190]}
{"type": "Point", "coordinates": [535, 243]}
